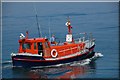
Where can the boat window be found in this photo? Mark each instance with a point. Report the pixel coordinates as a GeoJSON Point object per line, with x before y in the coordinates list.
{"type": "Point", "coordinates": [34, 45]}
{"type": "Point", "coordinates": [26, 46]}
{"type": "Point", "coordinates": [46, 45]}
{"type": "Point", "coordinates": [40, 48]}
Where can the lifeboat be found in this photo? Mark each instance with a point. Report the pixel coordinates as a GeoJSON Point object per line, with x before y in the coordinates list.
{"type": "Point", "coordinates": [42, 52]}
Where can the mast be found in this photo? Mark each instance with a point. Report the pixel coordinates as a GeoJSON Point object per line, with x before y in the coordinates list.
{"type": "Point", "coordinates": [68, 24]}
{"type": "Point", "coordinates": [38, 25]}
{"type": "Point", "coordinates": [69, 37]}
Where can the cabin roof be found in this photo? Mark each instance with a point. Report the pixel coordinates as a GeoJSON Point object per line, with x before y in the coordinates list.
{"type": "Point", "coordinates": [33, 40]}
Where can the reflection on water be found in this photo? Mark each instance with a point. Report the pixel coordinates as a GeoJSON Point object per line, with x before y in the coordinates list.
{"type": "Point", "coordinates": [61, 72]}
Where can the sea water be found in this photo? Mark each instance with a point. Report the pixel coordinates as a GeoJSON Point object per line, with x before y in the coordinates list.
{"type": "Point", "coordinates": [100, 18]}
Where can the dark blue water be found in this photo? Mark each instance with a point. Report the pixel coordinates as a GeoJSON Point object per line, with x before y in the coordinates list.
{"type": "Point", "coordinates": [100, 18]}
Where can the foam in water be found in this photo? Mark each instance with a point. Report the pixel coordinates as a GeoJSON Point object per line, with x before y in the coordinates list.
{"type": "Point", "coordinates": [6, 62]}
{"type": "Point", "coordinates": [97, 54]}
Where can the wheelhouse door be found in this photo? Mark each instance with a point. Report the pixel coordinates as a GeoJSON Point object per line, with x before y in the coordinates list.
{"type": "Point", "coordinates": [40, 48]}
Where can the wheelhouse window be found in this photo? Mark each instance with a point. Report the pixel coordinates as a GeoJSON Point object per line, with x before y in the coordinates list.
{"type": "Point", "coordinates": [46, 45]}
{"type": "Point", "coordinates": [26, 46]}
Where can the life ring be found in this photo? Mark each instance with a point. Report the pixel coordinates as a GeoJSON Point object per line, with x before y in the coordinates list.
{"type": "Point", "coordinates": [54, 53]}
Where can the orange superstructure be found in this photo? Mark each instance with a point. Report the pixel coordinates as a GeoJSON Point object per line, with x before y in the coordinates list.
{"type": "Point", "coordinates": [32, 47]}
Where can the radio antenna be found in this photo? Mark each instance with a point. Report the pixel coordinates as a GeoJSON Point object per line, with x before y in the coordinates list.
{"type": "Point", "coordinates": [38, 25]}
{"type": "Point", "coordinates": [68, 18]}
{"type": "Point", "coordinates": [49, 29]}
